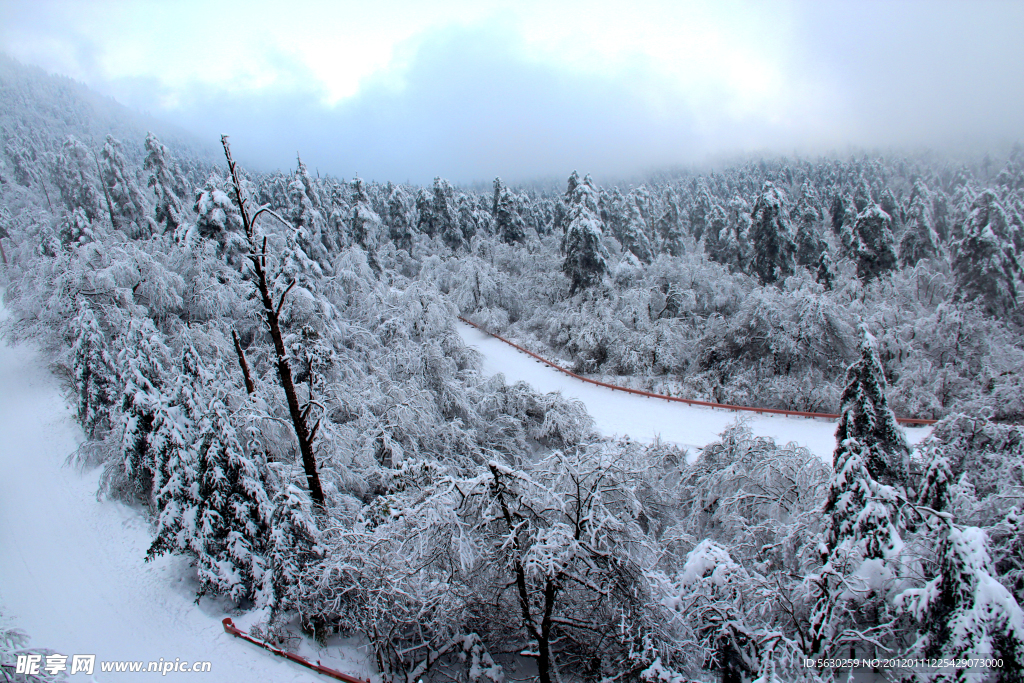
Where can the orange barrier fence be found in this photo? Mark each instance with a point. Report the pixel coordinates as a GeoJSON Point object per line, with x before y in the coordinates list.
{"type": "Point", "coordinates": [689, 401]}
{"type": "Point", "coordinates": [230, 627]}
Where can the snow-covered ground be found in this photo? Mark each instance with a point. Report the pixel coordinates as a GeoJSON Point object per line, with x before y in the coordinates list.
{"type": "Point", "coordinates": [72, 573]}
{"type": "Point", "coordinates": [618, 413]}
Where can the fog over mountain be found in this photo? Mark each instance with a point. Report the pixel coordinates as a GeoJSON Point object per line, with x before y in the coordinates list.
{"type": "Point", "coordinates": [470, 91]}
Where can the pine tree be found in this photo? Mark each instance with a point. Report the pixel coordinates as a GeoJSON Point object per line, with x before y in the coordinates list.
{"type": "Point", "coordinates": [142, 364]}
{"type": "Point", "coordinates": [866, 417]}
{"type": "Point", "coordinates": [213, 505]}
{"type": "Point", "coordinates": [772, 237]}
{"type": "Point", "coordinates": [809, 245]}
{"type": "Point", "coordinates": [75, 177]}
{"type": "Point", "coordinates": [585, 255]}
{"type": "Point", "coordinates": [125, 197]}
{"type": "Point", "coordinates": [964, 612]}
{"type": "Point", "coordinates": [233, 519]}
{"type": "Point", "coordinates": [633, 234]}
{"type": "Point", "coordinates": [177, 496]}
{"type": "Point", "coordinates": [94, 371]}
{"type": "Point", "coordinates": [985, 264]}
{"type": "Point", "coordinates": [826, 272]}
{"type": "Point", "coordinates": [874, 247]}
{"type": "Point", "coordinates": [509, 225]}
{"type": "Point", "coordinates": [399, 219]}
{"type": "Point", "coordinates": [366, 224]}
{"type": "Point", "coordinates": [167, 184]}
{"type": "Point", "coordinates": [919, 241]}
{"type": "Point", "coordinates": [292, 546]}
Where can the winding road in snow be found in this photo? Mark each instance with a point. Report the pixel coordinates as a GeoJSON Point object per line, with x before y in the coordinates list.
{"type": "Point", "coordinates": [618, 413]}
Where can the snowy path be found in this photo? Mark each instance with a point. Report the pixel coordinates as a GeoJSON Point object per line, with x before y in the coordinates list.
{"type": "Point", "coordinates": [642, 418]}
{"type": "Point", "coordinates": [72, 573]}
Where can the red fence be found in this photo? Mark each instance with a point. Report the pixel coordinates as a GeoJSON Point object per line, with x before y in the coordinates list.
{"type": "Point", "coordinates": [692, 402]}
{"type": "Point", "coordinates": [230, 627]}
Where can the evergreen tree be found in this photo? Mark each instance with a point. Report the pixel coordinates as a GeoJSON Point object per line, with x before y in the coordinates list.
{"type": "Point", "coordinates": [669, 226]}
{"type": "Point", "coordinates": [633, 235]}
{"type": "Point", "coordinates": [366, 224]}
{"type": "Point", "coordinates": [986, 268]}
{"type": "Point", "coordinates": [233, 519]}
{"type": "Point", "coordinates": [826, 272]}
{"type": "Point", "coordinates": [585, 256]}
{"type": "Point", "coordinates": [218, 220]}
{"type": "Point", "coordinates": [399, 218]}
{"type": "Point", "coordinates": [509, 225]}
{"type": "Point", "coordinates": [94, 371]}
{"type": "Point", "coordinates": [964, 612]}
{"type": "Point", "coordinates": [75, 177]}
{"type": "Point", "coordinates": [292, 546]}
{"type": "Point", "coordinates": [874, 247]}
{"type": "Point", "coordinates": [772, 237]}
{"type": "Point", "coordinates": [214, 506]}
{"type": "Point", "coordinates": [865, 416]}
{"type": "Point", "coordinates": [919, 240]}
{"type": "Point", "coordinates": [142, 363]}
{"type": "Point", "coordinates": [177, 497]}
{"type": "Point", "coordinates": [809, 245]}
{"type": "Point", "coordinates": [167, 183]}
{"type": "Point", "coordinates": [122, 190]}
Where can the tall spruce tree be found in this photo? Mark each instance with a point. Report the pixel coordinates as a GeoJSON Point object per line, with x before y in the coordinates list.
{"type": "Point", "coordinates": [874, 247]}
{"type": "Point", "coordinates": [772, 237]}
{"type": "Point", "coordinates": [865, 416]}
{"type": "Point", "coordinates": [985, 265]}
{"type": "Point", "coordinates": [94, 371]}
{"type": "Point", "coordinates": [585, 256]}
{"type": "Point", "coordinates": [167, 183]}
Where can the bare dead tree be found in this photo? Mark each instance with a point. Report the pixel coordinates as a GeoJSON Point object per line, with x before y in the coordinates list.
{"type": "Point", "coordinates": [305, 434]}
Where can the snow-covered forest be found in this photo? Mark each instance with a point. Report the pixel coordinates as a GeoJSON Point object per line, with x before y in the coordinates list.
{"type": "Point", "coordinates": [268, 365]}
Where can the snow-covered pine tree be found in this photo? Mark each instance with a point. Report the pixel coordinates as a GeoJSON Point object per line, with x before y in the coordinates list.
{"type": "Point", "coordinates": [509, 225]}
{"type": "Point", "coordinates": [95, 374]}
{"type": "Point", "coordinates": [809, 245]}
{"type": "Point", "coordinates": [74, 174]}
{"type": "Point", "coordinates": [919, 239]}
{"type": "Point", "coordinates": [772, 237]}
{"type": "Point", "coordinates": [122, 190]}
{"type": "Point", "coordinates": [76, 229]}
{"type": "Point", "coordinates": [167, 183]}
{"type": "Point", "coordinates": [365, 223]}
{"type": "Point", "coordinates": [874, 247]}
{"type": "Point", "coordinates": [399, 218]}
{"type": "Point", "coordinates": [142, 365]}
{"type": "Point", "coordinates": [865, 415]}
{"type": "Point", "coordinates": [826, 271]}
{"type": "Point", "coordinates": [177, 496]}
{"type": "Point", "coordinates": [985, 265]}
{"type": "Point", "coordinates": [233, 518]}
{"type": "Point", "coordinates": [634, 233]}
{"type": "Point", "coordinates": [585, 255]}
{"type": "Point", "coordinates": [292, 546]}
{"type": "Point", "coordinates": [965, 613]}
{"type": "Point", "coordinates": [219, 220]}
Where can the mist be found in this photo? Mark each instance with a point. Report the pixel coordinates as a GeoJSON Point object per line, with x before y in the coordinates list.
{"type": "Point", "coordinates": [471, 100]}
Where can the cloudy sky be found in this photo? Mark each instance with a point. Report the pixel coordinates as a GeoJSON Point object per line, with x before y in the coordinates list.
{"type": "Point", "coordinates": [470, 90]}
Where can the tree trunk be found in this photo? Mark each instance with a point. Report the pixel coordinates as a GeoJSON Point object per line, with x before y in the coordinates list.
{"type": "Point", "coordinates": [303, 433]}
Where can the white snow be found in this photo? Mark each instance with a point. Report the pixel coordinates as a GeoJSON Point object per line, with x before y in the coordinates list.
{"type": "Point", "coordinates": [72, 573]}
{"type": "Point", "coordinates": [618, 413]}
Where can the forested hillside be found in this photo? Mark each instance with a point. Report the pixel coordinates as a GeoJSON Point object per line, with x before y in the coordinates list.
{"type": "Point", "coordinates": [269, 365]}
